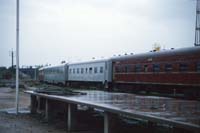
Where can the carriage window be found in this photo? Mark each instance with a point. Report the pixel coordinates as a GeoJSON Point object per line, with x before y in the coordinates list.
{"type": "Point", "coordinates": [70, 70]}
{"type": "Point", "coordinates": [90, 70]}
{"type": "Point", "coordinates": [156, 67]}
{"type": "Point", "coordinates": [82, 70]}
{"type": "Point", "coordinates": [101, 69]}
{"type": "Point", "coordinates": [198, 67]}
{"type": "Point", "coordinates": [125, 69]}
{"type": "Point", "coordinates": [168, 67]}
{"type": "Point", "coordinates": [117, 69]}
{"type": "Point", "coordinates": [128, 68]}
{"type": "Point", "coordinates": [74, 70]}
{"type": "Point", "coordinates": [145, 68]}
{"type": "Point", "coordinates": [86, 69]}
{"type": "Point", "coordinates": [183, 67]}
{"type": "Point", "coordinates": [138, 68]}
{"type": "Point", "coordinates": [77, 70]}
{"type": "Point", "coordinates": [95, 70]}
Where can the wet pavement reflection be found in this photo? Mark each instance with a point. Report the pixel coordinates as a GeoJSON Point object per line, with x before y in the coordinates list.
{"type": "Point", "coordinates": [172, 109]}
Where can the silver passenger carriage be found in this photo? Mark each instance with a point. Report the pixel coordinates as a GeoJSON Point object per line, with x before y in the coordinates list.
{"type": "Point", "coordinates": [99, 71]}
{"type": "Point", "coordinates": [56, 74]}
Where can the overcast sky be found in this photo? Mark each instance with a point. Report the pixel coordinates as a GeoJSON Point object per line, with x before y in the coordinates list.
{"type": "Point", "coordinates": [77, 30]}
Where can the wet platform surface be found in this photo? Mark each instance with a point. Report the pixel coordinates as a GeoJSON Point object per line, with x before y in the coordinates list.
{"type": "Point", "coordinates": [181, 113]}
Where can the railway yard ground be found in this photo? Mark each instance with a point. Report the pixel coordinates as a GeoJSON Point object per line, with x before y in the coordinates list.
{"type": "Point", "coordinates": [35, 123]}
{"type": "Point", "coordinates": [24, 123]}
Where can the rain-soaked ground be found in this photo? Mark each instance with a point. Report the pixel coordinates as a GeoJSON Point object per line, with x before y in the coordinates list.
{"type": "Point", "coordinates": [174, 109]}
{"type": "Point", "coordinates": [24, 123]}
{"type": "Point", "coordinates": [169, 109]}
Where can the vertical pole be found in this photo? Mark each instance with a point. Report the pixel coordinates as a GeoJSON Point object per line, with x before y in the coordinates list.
{"type": "Point", "coordinates": [197, 28]}
{"type": "Point", "coordinates": [35, 74]}
{"type": "Point", "coordinates": [46, 109]}
{"type": "Point", "coordinates": [12, 54]}
{"type": "Point", "coordinates": [33, 104]}
{"type": "Point", "coordinates": [69, 118]}
{"type": "Point", "coordinates": [17, 57]}
{"type": "Point", "coordinates": [106, 122]}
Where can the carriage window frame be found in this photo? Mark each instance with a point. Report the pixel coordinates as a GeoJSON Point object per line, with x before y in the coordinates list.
{"type": "Point", "coordinates": [82, 70]}
{"type": "Point", "coordinates": [156, 67]}
{"type": "Point", "coordinates": [101, 69]}
{"type": "Point", "coordinates": [127, 69]}
{"type": "Point", "coordinates": [168, 68]}
{"type": "Point", "coordinates": [138, 68]}
{"type": "Point", "coordinates": [95, 70]}
{"type": "Point", "coordinates": [117, 69]}
{"type": "Point", "coordinates": [183, 67]}
{"type": "Point", "coordinates": [146, 67]}
{"type": "Point", "coordinates": [77, 70]}
{"type": "Point", "coordinates": [74, 71]}
{"type": "Point", "coordinates": [86, 70]}
{"type": "Point", "coordinates": [90, 70]}
{"type": "Point", "coordinates": [198, 67]}
{"type": "Point", "coordinates": [70, 70]}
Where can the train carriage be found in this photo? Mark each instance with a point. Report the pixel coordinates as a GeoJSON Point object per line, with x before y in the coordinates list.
{"type": "Point", "coordinates": [165, 69]}
{"type": "Point", "coordinates": [56, 74]}
{"type": "Point", "coordinates": [94, 72]}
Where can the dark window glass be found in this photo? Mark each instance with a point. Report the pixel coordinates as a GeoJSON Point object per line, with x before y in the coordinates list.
{"type": "Point", "coordinates": [70, 70]}
{"type": "Point", "coordinates": [183, 67]}
{"type": "Point", "coordinates": [127, 68]}
{"type": "Point", "coordinates": [101, 70]}
{"type": "Point", "coordinates": [145, 68]}
{"type": "Point", "coordinates": [138, 68]}
{"type": "Point", "coordinates": [156, 67]}
{"type": "Point", "coordinates": [117, 69]}
{"type": "Point", "coordinates": [168, 67]}
{"type": "Point", "coordinates": [90, 70]}
{"type": "Point", "coordinates": [82, 70]}
{"type": "Point", "coordinates": [95, 70]}
{"type": "Point", "coordinates": [86, 69]}
{"type": "Point", "coordinates": [77, 70]}
{"type": "Point", "coordinates": [74, 70]}
{"type": "Point", "coordinates": [198, 67]}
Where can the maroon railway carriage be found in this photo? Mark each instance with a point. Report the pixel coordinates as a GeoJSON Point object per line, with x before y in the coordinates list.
{"type": "Point", "coordinates": [167, 70]}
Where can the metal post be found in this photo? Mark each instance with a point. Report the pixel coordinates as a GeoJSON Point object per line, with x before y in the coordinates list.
{"type": "Point", "coordinates": [69, 118]}
{"type": "Point", "coordinates": [106, 123]}
{"type": "Point", "coordinates": [12, 54]}
{"type": "Point", "coordinates": [17, 57]}
{"type": "Point", "coordinates": [197, 28]}
{"type": "Point", "coordinates": [46, 109]}
{"type": "Point", "coordinates": [33, 104]}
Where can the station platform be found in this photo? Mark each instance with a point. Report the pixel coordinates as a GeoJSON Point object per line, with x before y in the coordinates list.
{"type": "Point", "coordinates": [183, 114]}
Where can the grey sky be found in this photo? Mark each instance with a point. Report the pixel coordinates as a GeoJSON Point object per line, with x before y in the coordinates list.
{"type": "Point", "coordinates": [74, 30]}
